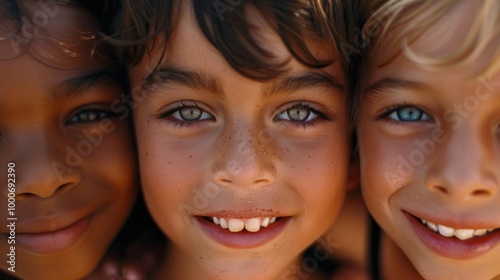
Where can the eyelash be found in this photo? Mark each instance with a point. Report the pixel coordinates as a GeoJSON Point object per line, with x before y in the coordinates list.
{"type": "Point", "coordinates": [100, 112]}
{"type": "Point", "coordinates": [387, 112]}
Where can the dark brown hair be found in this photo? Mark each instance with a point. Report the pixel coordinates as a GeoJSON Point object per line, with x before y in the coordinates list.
{"type": "Point", "coordinates": [224, 25]}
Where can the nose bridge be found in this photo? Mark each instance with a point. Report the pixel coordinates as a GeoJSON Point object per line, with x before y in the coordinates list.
{"type": "Point", "coordinates": [244, 159]}
{"type": "Point", "coordinates": [41, 165]}
{"type": "Point", "coordinates": [465, 165]}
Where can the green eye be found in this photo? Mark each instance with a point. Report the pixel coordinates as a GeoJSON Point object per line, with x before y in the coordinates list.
{"type": "Point", "coordinates": [298, 114]}
{"type": "Point", "coordinates": [191, 114]}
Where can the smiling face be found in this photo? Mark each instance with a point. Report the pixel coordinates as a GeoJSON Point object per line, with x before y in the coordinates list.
{"type": "Point", "coordinates": [429, 143]}
{"type": "Point", "coordinates": [241, 175]}
{"type": "Point", "coordinates": [74, 158]}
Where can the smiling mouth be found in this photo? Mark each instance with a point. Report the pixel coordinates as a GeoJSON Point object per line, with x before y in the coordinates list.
{"type": "Point", "coordinates": [237, 225]}
{"type": "Point", "coordinates": [462, 234]}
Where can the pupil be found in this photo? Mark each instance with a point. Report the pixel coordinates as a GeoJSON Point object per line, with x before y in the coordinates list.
{"type": "Point", "coordinates": [298, 114]}
{"type": "Point", "coordinates": [409, 114]}
{"type": "Point", "coordinates": [190, 114]}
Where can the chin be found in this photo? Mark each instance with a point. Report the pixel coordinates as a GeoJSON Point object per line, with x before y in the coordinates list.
{"type": "Point", "coordinates": [437, 270]}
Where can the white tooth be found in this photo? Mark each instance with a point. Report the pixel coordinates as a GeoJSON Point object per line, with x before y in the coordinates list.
{"type": "Point", "coordinates": [490, 230]}
{"type": "Point", "coordinates": [216, 220]}
{"type": "Point", "coordinates": [223, 223]}
{"type": "Point", "coordinates": [273, 219]}
{"type": "Point", "coordinates": [265, 222]}
{"type": "Point", "coordinates": [463, 234]}
{"type": "Point", "coordinates": [235, 225]}
{"type": "Point", "coordinates": [424, 221]}
{"type": "Point", "coordinates": [446, 231]}
{"type": "Point", "coordinates": [253, 225]}
{"type": "Point", "coordinates": [432, 226]}
{"type": "Point", "coordinates": [479, 232]}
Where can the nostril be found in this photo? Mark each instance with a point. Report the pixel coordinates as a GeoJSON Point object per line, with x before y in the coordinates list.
{"type": "Point", "coordinates": [480, 193]}
{"type": "Point", "coordinates": [442, 189]}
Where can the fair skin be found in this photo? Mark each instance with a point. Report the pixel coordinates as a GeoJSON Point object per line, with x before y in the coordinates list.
{"type": "Point", "coordinates": [74, 158]}
{"type": "Point", "coordinates": [213, 143]}
{"type": "Point", "coordinates": [429, 149]}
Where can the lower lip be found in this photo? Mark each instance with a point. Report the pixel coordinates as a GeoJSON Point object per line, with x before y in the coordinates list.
{"type": "Point", "coordinates": [56, 241]}
{"type": "Point", "coordinates": [243, 239]}
{"type": "Point", "coordinates": [451, 247]}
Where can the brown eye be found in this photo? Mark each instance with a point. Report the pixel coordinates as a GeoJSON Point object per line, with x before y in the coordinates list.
{"type": "Point", "coordinates": [89, 115]}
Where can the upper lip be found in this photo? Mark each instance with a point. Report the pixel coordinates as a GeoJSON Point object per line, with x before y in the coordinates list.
{"type": "Point", "coordinates": [244, 214]}
{"type": "Point", "coordinates": [48, 224]}
{"type": "Point", "coordinates": [456, 221]}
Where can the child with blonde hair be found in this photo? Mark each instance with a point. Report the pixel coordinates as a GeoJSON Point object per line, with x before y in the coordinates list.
{"type": "Point", "coordinates": [428, 128]}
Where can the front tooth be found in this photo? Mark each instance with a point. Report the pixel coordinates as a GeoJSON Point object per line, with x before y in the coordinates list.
{"type": "Point", "coordinates": [424, 221]}
{"type": "Point", "coordinates": [223, 223]}
{"type": "Point", "coordinates": [253, 225]}
{"type": "Point", "coordinates": [236, 225]}
{"type": "Point", "coordinates": [273, 219]}
{"type": "Point", "coordinates": [446, 231]}
{"type": "Point", "coordinates": [479, 232]}
{"type": "Point", "coordinates": [216, 220]}
{"type": "Point", "coordinates": [432, 226]}
{"type": "Point", "coordinates": [265, 222]}
{"type": "Point", "coordinates": [463, 234]}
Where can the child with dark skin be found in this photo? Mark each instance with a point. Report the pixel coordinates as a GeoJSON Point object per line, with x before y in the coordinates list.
{"type": "Point", "coordinates": [65, 142]}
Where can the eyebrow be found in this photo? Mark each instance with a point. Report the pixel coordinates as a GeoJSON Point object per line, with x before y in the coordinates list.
{"type": "Point", "coordinates": [169, 76]}
{"type": "Point", "coordinates": [312, 79]}
{"type": "Point", "coordinates": [88, 82]}
{"type": "Point", "coordinates": [390, 83]}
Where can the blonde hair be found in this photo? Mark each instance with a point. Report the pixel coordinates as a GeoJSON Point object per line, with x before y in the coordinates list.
{"type": "Point", "coordinates": [414, 17]}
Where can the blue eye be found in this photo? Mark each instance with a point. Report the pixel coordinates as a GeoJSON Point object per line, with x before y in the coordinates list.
{"type": "Point", "coordinates": [89, 115]}
{"type": "Point", "coordinates": [409, 114]}
{"type": "Point", "coordinates": [298, 113]}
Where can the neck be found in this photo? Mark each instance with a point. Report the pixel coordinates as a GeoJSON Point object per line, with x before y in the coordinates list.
{"type": "Point", "coordinates": [391, 271]}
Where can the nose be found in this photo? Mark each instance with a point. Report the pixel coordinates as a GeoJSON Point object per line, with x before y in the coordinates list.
{"type": "Point", "coordinates": [41, 167]}
{"type": "Point", "coordinates": [464, 168]}
{"type": "Point", "coordinates": [244, 158]}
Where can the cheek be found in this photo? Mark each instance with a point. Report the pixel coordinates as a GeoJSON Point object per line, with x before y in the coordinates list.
{"type": "Point", "coordinates": [318, 171]}
{"type": "Point", "coordinates": [116, 159]}
{"type": "Point", "coordinates": [172, 169]}
{"type": "Point", "coordinates": [382, 168]}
